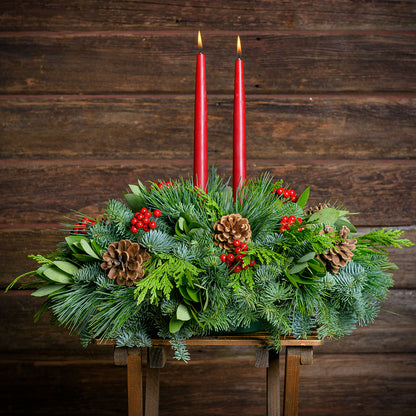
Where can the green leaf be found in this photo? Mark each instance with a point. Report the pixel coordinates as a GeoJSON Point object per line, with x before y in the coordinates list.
{"type": "Point", "coordinates": [134, 202]}
{"type": "Point", "coordinates": [47, 290]}
{"type": "Point", "coordinates": [304, 281]}
{"type": "Point", "coordinates": [184, 293]}
{"type": "Point", "coordinates": [83, 257]}
{"type": "Point", "coordinates": [97, 248]}
{"type": "Point", "coordinates": [56, 275]}
{"type": "Point", "coordinates": [343, 221]}
{"type": "Point", "coordinates": [308, 256]}
{"type": "Point", "coordinates": [291, 279]}
{"type": "Point", "coordinates": [303, 199]}
{"type": "Point", "coordinates": [297, 268]}
{"type": "Point", "coordinates": [181, 223]}
{"type": "Point", "coordinates": [175, 325]}
{"type": "Point", "coordinates": [182, 313]}
{"type": "Point", "coordinates": [195, 224]}
{"type": "Point", "coordinates": [193, 293]}
{"type": "Point", "coordinates": [186, 216]}
{"type": "Point", "coordinates": [88, 249]}
{"type": "Point", "coordinates": [317, 266]}
{"type": "Point", "coordinates": [66, 266]}
{"type": "Point", "coordinates": [327, 216]}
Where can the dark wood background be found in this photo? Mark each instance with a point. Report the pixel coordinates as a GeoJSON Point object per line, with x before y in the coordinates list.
{"type": "Point", "coordinates": [95, 94]}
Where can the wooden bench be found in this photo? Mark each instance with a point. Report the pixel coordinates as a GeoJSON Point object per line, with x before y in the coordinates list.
{"type": "Point", "coordinates": [298, 352]}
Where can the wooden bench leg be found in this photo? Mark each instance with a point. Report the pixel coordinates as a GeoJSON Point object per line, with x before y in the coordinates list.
{"type": "Point", "coordinates": [156, 360]}
{"type": "Point", "coordinates": [134, 382]}
{"type": "Point", "coordinates": [291, 390]}
{"type": "Point", "coordinates": [273, 385]}
{"type": "Point", "coordinates": [295, 357]}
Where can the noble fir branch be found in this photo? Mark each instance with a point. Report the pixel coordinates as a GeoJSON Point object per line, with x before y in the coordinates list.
{"type": "Point", "coordinates": [120, 215]}
{"type": "Point", "coordinates": [105, 233]}
{"type": "Point", "coordinates": [157, 242]}
{"type": "Point", "coordinates": [380, 239]}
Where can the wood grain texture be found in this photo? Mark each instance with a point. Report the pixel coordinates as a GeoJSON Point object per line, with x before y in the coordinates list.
{"type": "Point", "coordinates": [161, 127]}
{"type": "Point", "coordinates": [394, 331]}
{"type": "Point", "coordinates": [205, 15]}
{"type": "Point", "coordinates": [62, 63]}
{"type": "Point", "coordinates": [231, 387]}
{"type": "Point", "coordinates": [49, 189]}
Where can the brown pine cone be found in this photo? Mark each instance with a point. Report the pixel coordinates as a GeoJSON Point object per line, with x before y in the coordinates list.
{"type": "Point", "coordinates": [123, 262]}
{"type": "Point", "coordinates": [229, 228]}
{"type": "Point", "coordinates": [316, 208]}
{"type": "Point", "coordinates": [339, 255]}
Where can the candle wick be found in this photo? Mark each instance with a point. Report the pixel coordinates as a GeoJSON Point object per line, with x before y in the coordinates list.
{"type": "Point", "coordinates": [238, 55]}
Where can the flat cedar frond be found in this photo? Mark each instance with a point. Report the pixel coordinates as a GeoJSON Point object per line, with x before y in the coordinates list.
{"type": "Point", "coordinates": [160, 276]}
{"type": "Point", "coordinates": [380, 239]}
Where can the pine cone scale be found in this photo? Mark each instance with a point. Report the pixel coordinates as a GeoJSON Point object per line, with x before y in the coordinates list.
{"type": "Point", "coordinates": [124, 262]}
{"type": "Point", "coordinates": [230, 228]}
{"type": "Point", "coordinates": [339, 255]}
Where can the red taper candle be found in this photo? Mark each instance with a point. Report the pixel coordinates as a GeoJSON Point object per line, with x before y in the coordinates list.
{"type": "Point", "coordinates": [239, 134]}
{"type": "Point", "coordinates": [200, 127]}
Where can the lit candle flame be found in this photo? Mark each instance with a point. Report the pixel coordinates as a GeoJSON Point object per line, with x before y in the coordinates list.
{"type": "Point", "coordinates": [199, 40]}
{"type": "Point", "coordinates": [238, 47]}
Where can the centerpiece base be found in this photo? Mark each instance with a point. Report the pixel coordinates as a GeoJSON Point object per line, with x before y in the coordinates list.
{"type": "Point", "coordinates": [298, 352]}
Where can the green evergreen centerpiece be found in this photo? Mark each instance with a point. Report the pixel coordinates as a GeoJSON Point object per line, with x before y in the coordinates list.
{"type": "Point", "coordinates": [175, 262]}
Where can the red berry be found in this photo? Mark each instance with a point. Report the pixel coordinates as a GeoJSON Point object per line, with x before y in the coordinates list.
{"type": "Point", "coordinates": [157, 213]}
{"type": "Point", "coordinates": [143, 210]}
{"type": "Point", "coordinates": [284, 220]}
{"type": "Point", "coordinates": [237, 250]}
{"type": "Point", "coordinates": [286, 194]}
{"type": "Point", "coordinates": [273, 191]}
{"type": "Point", "coordinates": [280, 191]}
{"type": "Point", "coordinates": [292, 192]}
{"type": "Point", "coordinates": [299, 220]}
{"type": "Point", "coordinates": [145, 227]}
{"type": "Point", "coordinates": [252, 263]}
{"type": "Point", "coordinates": [239, 258]}
{"type": "Point", "coordinates": [159, 184]}
{"type": "Point", "coordinates": [230, 257]}
{"type": "Point", "coordinates": [146, 220]}
{"type": "Point", "coordinates": [76, 230]}
{"type": "Point", "coordinates": [294, 198]}
{"type": "Point", "coordinates": [237, 269]}
{"type": "Point", "coordinates": [134, 229]}
{"type": "Point", "coordinates": [152, 225]}
{"type": "Point", "coordinates": [292, 219]}
{"type": "Point", "coordinates": [244, 246]}
{"type": "Point", "coordinates": [300, 229]}
{"type": "Point", "coordinates": [148, 214]}
{"type": "Point", "coordinates": [139, 224]}
{"type": "Point", "coordinates": [236, 243]}
{"type": "Point", "coordinates": [133, 220]}
{"type": "Point", "coordinates": [223, 257]}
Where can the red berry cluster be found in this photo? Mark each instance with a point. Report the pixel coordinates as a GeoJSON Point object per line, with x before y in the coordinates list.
{"type": "Point", "coordinates": [289, 194]}
{"type": "Point", "coordinates": [164, 184]}
{"type": "Point", "coordinates": [142, 220]}
{"type": "Point", "coordinates": [81, 228]}
{"type": "Point", "coordinates": [235, 261]}
{"type": "Point", "coordinates": [287, 222]}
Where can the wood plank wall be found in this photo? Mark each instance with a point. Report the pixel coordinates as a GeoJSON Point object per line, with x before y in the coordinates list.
{"type": "Point", "coordinates": [94, 94]}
